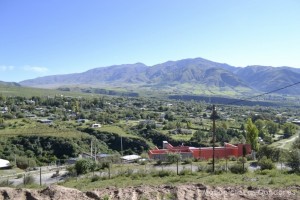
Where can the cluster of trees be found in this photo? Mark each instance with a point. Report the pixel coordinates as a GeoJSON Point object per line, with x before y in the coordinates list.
{"type": "Point", "coordinates": [38, 150]}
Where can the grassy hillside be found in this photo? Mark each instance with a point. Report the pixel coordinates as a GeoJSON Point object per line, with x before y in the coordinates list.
{"type": "Point", "coordinates": [29, 92]}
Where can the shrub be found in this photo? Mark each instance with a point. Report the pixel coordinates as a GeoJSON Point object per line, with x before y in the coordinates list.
{"type": "Point", "coordinates": [142, 172]}
{"type": "Point", "coordinates": [265, 163]}
{"type": "Point", "coordinates": [232, 158]}
{"type": "Point", "coordinates": [129, 172]}
{"type": "Point", "coordinates": [71, 170]}
{"type": "Point", "coordinates": [173, 157]}
{"type": "Point", "coordinates": [238, 168]}
{"type": "Point", "coordinates": [19, 176]}
{"type": "Point", "coordinates": [95, 178]}
{"type": "Point", "coordinates": [202, 167]}
{"type": "Point", "coordinates": [24, 162]}
{"type": "Point", "coordinates": [294, 160]}
{"type": "Point", "coordinates": [242, 159]}
{"type": "Point", "coordinates": [84, 166]}
{"type": "Point", "coordinates": [219, 169]}
{"type": "Point", "coordinates": [158, 162]}
{"type": "Point", "coordinates": [185, 172]}
{"type": "Point", "coordinates": [29, 179]}
{"type": "Point", "coordinates": [103, 165]}
{"type": "Point", "coordinates": [6, 183]}
{"type": "Point", "coordinates": [163, 173]}
{"type": "Point", "coordinates": [187, 161]}
{"type": "Point", "coordinates": [249, 157]}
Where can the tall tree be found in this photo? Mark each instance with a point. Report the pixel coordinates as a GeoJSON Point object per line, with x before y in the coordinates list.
{"type": "Point", "coordinates": [272, 127]}
{"type": "Point", "coordinates": [289, 129]}
{"type": "Point", "coordinates": [252, 134]}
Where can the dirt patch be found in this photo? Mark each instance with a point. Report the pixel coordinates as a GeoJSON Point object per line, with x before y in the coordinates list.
{"type": "Point", "coordinates": [181, 192]}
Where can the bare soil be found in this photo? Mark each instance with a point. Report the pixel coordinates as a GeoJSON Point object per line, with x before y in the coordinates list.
{"type": "Point", "coordinates": [181, 192]}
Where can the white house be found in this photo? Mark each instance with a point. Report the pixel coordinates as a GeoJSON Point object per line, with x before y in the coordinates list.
{"type": "Point", "coordinates": [4, 163]}
{"type": "Point", "coordinates": [96, 125]}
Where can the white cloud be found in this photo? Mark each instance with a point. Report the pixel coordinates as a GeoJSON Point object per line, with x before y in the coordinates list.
{"type": "Point", "coordinates": [6, 68]}
{"type": "Point", "coordinates": [35, 69]}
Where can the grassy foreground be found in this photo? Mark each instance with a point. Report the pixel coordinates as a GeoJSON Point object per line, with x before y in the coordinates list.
{"type": "Point", "coordinates": [266, 179]}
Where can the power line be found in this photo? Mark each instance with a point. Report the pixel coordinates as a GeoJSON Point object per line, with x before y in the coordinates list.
{"type": "Point", "coordinates": [241, 100]}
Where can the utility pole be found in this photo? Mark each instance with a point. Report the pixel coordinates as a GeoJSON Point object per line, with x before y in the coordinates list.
{"type": "Point", "coordinates": [91, 148]}
{"type": "Point", "coordinates": [40, 176]}
{"type": "Point", "coordinates": [95, 153]}
{"type": "Point", "coordinates": [121, 146]}
{"type": "Point", "coordinates": [213, 117]}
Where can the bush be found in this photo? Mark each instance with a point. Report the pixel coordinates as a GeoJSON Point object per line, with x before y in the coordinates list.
{"type": "Point", "coordinates": [6, 183]}
{"type": "Point", "coordinates": [84, 166]}
{"type": "Point", "coordinates": [219, 169]}
{"type": "Point", "coordinates": [242, 159]}
{"type": "Point", "coordinates": [29, 179]}
{"type": "Point", "coordinates": [95, 178]}
{"type": "Point", "coordinates": [265, 163]}
{"type": "Point", "coordinates": [269, 152]}
{"type": "Point", "coordinates": [294, 160]}
{"type": "Point", "coordinates": [187, 161]}
{"type": "Point", "coordinates": [185, 172]}
{"type": "Point", "coordinates": [173, 157]}
{"type": "Point", "coordinates": [103, 165]}
{"type": "Point", "coordinates": [202, 167]}
{"type": "Point", "coordinates": [24, 162]}
{"type": "Point", "coordinates": [249, 157]}
{"type": "Point", "coordinates": [238, 168]}
{"type": "Point", "coordinates": [19, 176]}
{"type": "Point", "coordinates": [232, 158]}
{"type": "Point", "coordinates": [71, 170]}
{"type": "Point", "coordinates": [158, 162]}
{"type": "Point", "coordinates": [163, 173]}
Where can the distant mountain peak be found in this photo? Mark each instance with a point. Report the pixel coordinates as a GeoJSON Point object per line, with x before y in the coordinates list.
{"type": "Point", "coordinates": [196, 72]}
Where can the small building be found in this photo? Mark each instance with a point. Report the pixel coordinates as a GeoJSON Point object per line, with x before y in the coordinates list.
{"type": "Point", "coordinates": [45, 121]}
{"type": "Point", "coordinates": [96, 126]}
{"type": "Point", "coordinates": [296, 122]}
{"type": "Point", "coordinates": [4, 164]}
{"type": "Point", "coordinates": [130, 158]}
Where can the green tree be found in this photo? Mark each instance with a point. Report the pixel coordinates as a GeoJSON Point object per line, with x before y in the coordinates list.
{"type": "Point", "coordinates": [294, 160]}
{"type": "Point", "coordinates": [189, 124]}
{"type": "Point", "coordinates": [84, 166]}
{"type": "Point", "coordinates": [252, 134]}
{"type": "Point", "coordinates": [199, 136]}
{"type": "Point", "coordinates": [289, 129]}
{"type": "Point", "coordinates": [272, 127]}
{"type": "Point", "coordinates": [266, 163]}
{"type": "Point", "coordinates": [260, 124]}
{"type": "Point", "coordinates": [178, 125]}
{"type": "Point", "coordinates": [173, 157]}
{"type": "Point", "coordinates": [296, 143]}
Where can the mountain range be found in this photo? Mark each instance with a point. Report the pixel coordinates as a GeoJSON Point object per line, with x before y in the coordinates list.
{"type": "Point", "coordinates": [10, 83]}
{"type": "Point", "coordinates": [192, 76]}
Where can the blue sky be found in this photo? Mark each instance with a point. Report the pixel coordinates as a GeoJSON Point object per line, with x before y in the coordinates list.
{"type": "Point", "coordinates": [39, 38]}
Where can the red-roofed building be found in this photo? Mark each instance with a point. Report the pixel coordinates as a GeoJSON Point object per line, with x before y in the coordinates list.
{"type": "Point", "coordinates": [228, 150]}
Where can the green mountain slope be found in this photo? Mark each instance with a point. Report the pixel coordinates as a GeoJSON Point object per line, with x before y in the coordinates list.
{"type": "Point", "coordinates": [198, 74]}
